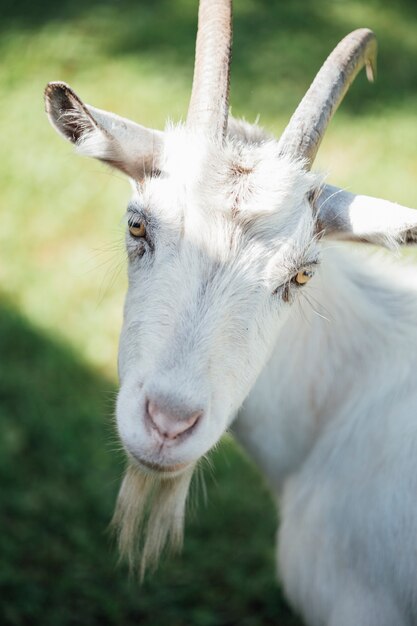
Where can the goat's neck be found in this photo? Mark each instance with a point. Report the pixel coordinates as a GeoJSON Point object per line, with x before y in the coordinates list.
{"type": "Point", "coordinates": [333, 352]}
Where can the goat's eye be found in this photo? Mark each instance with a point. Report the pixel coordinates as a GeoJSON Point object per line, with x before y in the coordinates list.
{"type": "Point", "coordinates": [137, 230]}
{"type": "Point", "coordinates": [302, 277]}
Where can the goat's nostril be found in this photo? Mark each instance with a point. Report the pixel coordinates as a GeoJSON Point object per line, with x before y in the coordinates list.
{"type": "Point", "coordinates": [189, 422]}
{"type": "Point", "coordinates": [170, 424]}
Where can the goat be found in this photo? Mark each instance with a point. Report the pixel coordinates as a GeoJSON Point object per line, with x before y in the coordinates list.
{"type": "Point", "coordinates": [239, 314]}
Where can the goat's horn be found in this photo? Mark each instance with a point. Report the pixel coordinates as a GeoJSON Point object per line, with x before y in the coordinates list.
{"type": "Point", "coordinates": [209, 102]}
{"type": "Point", "coordinates": [303, 135]}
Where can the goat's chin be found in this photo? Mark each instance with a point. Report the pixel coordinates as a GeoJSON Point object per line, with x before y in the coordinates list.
{"type": "Point", "coordinates": [150, 511]}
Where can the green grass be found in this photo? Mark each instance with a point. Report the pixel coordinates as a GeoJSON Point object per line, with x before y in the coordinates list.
{"type": "Point", "coordinates": [62, 281]}
{"type": "Point", "coordinates": [59, 472]}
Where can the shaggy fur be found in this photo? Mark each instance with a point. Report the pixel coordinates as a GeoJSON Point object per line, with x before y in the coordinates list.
{"type": "Point", "coordinates": [153, 508]}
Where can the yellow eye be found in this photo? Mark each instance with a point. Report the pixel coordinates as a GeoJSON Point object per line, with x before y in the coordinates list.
{"type": "Point", "coordinates": [303, 277]}
{"type": "Point", "coordinates": [137, 230]}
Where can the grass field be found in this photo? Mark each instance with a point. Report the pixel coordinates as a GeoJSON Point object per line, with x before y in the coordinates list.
{"type": "Point", "coordinates": [62, 280]}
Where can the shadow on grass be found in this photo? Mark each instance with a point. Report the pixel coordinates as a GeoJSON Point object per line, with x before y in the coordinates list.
{"type": "Point", "coordinates": [278, 46]}
{"type": "Point", "coordinates": [58, 482]}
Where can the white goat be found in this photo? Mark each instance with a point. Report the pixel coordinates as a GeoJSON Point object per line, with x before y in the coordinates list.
{"type": "Point", "coordinates": [237, 306]}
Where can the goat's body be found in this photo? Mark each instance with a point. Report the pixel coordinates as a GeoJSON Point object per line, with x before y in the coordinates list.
{"type": "Point", "coordinates": [225, 229]}
{"type": "Point", "coordinates": [332, 422]}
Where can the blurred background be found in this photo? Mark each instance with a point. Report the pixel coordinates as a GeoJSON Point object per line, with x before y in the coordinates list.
{"type": "Point", "coordinates": [62, 280]}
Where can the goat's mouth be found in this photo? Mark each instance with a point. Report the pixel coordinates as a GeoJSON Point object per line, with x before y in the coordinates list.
{"type": "Point", "coordinates": [161, 470]}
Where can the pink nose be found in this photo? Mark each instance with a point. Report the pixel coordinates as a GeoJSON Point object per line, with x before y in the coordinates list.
{"type": "Point", "coordinates": [170, 424]}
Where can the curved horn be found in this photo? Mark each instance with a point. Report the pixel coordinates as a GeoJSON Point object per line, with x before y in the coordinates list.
{"type": "Point", "coordinates": [209, 102]}
{"type": "Point", "coordinates": [303, 135]}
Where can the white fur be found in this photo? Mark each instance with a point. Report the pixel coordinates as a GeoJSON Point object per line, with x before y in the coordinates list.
{"type": "Point", "coordinates": [322, 378]}
{"type": "Point", "coordinates": [332, 423]}
{"type": "Point", "coordinates": [331, 419]}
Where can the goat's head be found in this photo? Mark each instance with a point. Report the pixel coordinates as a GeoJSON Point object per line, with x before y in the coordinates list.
{"type": "Point", "coordinates": [222, 237]}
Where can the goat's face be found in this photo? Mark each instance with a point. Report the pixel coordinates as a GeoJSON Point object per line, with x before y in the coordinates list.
{"type": "Point", "coordinates": [215, 242]}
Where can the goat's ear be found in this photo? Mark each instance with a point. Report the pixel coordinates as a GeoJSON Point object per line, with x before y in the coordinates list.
{"type": "Point", "coordinates": [119, 142]}
{"type": "Point", "coordinates": [344, 215]}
